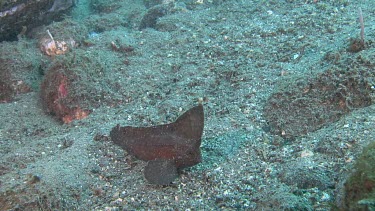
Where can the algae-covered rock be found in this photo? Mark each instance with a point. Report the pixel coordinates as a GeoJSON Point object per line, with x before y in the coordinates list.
{"type": "Point", "coordinates": [306, 105]}
{"type": "Point", "coordinates": [360, 187]}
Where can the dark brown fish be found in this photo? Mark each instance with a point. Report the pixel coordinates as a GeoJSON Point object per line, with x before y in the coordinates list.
{"type": "Point", "coordinates": [177, 143]}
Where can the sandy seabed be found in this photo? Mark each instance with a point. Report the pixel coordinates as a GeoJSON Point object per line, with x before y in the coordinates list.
{"type": "Point", "coordinates": [230, 55]}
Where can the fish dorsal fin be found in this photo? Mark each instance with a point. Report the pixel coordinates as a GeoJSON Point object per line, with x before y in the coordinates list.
{"type": "Point", "coordinates": [190, 124]}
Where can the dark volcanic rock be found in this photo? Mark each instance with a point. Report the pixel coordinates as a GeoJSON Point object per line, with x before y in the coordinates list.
{"type": "Point", "coordinates": [17, 17]}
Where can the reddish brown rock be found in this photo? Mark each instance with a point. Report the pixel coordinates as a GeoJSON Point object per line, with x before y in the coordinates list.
{"type": "Point", "coordinates": [56, 97]}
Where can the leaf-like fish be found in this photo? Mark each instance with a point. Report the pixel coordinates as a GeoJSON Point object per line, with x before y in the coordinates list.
{"type": "Point", "coordinates": [178, 142]}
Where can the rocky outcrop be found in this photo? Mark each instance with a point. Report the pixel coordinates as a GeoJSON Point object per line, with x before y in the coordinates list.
{"type": "Point", "coordinates": [17, 17]}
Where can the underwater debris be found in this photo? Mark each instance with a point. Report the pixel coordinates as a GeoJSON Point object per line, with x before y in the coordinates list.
{"type": "Point", "coordinates": [358, 44]}
{"type": "Point", "coordinates": [12, 10]}
{"type": "Point", "coordinates": [51, 47]}
{"type": "Point", "coordinates": [167, 147]}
